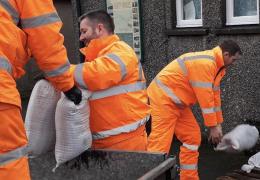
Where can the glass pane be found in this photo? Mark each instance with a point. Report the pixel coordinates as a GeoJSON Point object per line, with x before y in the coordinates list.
{"type": "Point", "coordinates": [191, 9]}
{"type": "Point", "coordinates": [245, 7]}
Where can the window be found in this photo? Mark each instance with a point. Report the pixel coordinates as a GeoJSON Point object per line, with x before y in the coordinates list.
{"type": "Point", "coordinates": [242, 12]}
{"type": "Point", "coordinates": [189, 13]}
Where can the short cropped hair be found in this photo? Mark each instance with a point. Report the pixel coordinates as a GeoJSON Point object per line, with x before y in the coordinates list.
{"type": "Point", "coordinates": [100, 16]}
{"type": "Point", "coordinates": [231, 47]}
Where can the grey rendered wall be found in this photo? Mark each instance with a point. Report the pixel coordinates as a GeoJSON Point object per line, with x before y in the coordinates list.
{"type": "Point", "coordinates": [241, 85]}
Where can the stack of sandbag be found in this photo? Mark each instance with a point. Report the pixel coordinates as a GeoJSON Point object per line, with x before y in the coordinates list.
{"type": "Point", "coordinates": [243, 137]}
{"type": "Point", "coordinates": [40, 118]}
{"type": "Point", "coordinates": [73, 135]}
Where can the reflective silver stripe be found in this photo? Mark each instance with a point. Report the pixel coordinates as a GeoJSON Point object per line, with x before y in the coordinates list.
{"type": "Point", "coordinates": [191, 147]}
{"type": "Point", "coordinates": [11, 10]}
{"type": "Point", "coordinates": [123, 129]}
{"type": "Point", "coordinates": [190, 58]}
{"type": "Point", "coordinates": [168, 91]}
{"type": "Point", "coordinates": [116, 90]}
{"type": "Point", "coordinates": [216, 88]}
{"type": "Point", "coordinates": [188, 166]}
{"type": "Point", "coordinates": [58, 71]}
{"type": "Point", "coordinates": [40, 20]}
{"type": "Point", "coordinates": [199, 57]}
{"type": "Point", "coordinates": [140, 71]}
{"type": "Point", "coordinates": [201, 84]}
{"type": "Point", "coordinates": [13, 155]}
{"type": "Point", "coordinates": [120, 62]}
{"type": "Point", "coordinates": [78, 74]}
{"type": "Point", "coordinates": [210, 110]}
{"type": "Point", "coordinates": [182, 65]}
{"type": "Point", "coordinates": [4, 64]}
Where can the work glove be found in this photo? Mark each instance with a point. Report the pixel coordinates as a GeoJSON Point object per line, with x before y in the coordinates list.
{"type": "Point", "coordinates": [39, 76]}
{"type": "Point", "coordinates": [74, 94]}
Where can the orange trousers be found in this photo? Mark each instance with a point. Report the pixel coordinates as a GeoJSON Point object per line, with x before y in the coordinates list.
{"type": "Point", "coordinates": [12, 136]}
{"type": "Point", "coordinates": [135, 143]}
{"type": "Point", "coordinates": [168, 120]}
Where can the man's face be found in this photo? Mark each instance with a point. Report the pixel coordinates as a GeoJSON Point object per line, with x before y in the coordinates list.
{"type": "Point", "coordinates": [230, 59]}
{"type": "Point", "coordinates": [87, 31]}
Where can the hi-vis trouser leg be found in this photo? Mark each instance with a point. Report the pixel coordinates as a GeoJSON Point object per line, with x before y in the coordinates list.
{"type": "Point", "coordinates": [187, 131]}
{"type": "Point", "coordinates": [169, 119]}
{"type": "Point", "coordinates": [13, 160]}
{"type": "Point", "coordinates": [164, 119]}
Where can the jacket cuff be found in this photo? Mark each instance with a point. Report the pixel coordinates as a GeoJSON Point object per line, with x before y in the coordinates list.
{"type": "Point", "coordinates": [210, 119]}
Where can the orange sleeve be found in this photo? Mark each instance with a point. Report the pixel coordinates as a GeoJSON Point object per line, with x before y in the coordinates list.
{"type": "Point", "coordinates": [217, 100]}
{"type": "Point", "coordinates": [42, 25]}
{"type": "Point", "coordinates": [202, 79]}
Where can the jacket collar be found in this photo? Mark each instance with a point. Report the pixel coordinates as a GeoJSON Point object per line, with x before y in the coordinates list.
{"type": "Point", "coordinates": [219, 57]}
{"type": "Point", "coordinates": [97, 45]}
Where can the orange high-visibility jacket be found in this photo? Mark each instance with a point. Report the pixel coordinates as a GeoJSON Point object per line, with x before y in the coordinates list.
{"type": "Point", "coordinates": [118, 106]}
{"type": "Point", "coordinates": [195, 77]}
{"type": "Point", "coordinates": [31, 27]}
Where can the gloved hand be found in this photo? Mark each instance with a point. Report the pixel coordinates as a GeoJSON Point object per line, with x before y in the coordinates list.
{"type": "Point", "coordinates": [74, 94]}
{"type": "Point", "coordinates": [39, 76]}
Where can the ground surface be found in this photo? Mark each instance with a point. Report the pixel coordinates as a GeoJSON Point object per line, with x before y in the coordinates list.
{"type": "Point", "coordinates": [214, 164]}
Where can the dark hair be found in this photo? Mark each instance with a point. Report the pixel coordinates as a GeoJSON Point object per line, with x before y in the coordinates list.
{"type": "Point", "coordinates": [100, 16]}
{"type": "Point", "coordinates": [231, 47]}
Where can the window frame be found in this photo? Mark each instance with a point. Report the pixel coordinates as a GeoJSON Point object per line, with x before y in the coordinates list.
{"type": "Point", "coordinates": [240, 20]}
{"type": "Point", "coordinates": [181, 23]}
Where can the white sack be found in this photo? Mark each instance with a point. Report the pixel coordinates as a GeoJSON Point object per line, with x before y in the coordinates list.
{"type": "Point", "coordinates": [73, 135]}
{"type": "Point", "coordinates": [40, 118]}
{"type": "Point", "coordinates": [243, 137]}
{"type": "Point", "coordinates": [253, 161]}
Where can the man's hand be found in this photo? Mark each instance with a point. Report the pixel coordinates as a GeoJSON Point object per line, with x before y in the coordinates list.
{"type": "Point", "coordinates": [215, 134]}
{"type": "Point", "coordinates": [74, 94]}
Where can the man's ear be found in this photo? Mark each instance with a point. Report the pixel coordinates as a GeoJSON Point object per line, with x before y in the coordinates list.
{"type": "Point", "coordinates": [100, 27]}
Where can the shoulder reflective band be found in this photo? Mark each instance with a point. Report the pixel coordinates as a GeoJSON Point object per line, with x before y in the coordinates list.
{"type": "Point", "coordinates": [188, 166]}
{"type": "Point", "coordinates": [11, 10]}
{"type": "Point", "coordinates": [118, 60]}
{"type": "Point", "coordinates": [4, 64]}
{"type": "Point", "coordinates": [168, 91]}
{"type": "Point", "coordinates": [13, 155]}
{"type": "Point", "coordinates": [40, 20]}
{"type": "Point", "coordinates": [58, 71]}
{"type": "Point", "coordinates": [200, 84]}
{"type": "Point", "coordinates": [191, 147]}
{"type": "Point", "coordinates": [116, 90]}
{"type": "Point", "coordinates": [182, 65]}
{"type": "Point", "coordinates": [210, 110]}
{"type": "Point", "coordinates": [191, 58]}
{"type": "Point", "coordinates": [123, 129]}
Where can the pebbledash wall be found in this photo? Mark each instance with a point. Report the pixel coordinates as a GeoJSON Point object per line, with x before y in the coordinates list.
{"type": "Point", "coordinates": [162, 42]}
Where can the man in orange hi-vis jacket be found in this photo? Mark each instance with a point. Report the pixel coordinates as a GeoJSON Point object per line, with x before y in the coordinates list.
{"type": "Point", "coordinates": [112, 71]}
{"type": "Point", "coordinates": [27, 27]}
{"type": "Point", "coordinates": [192, 77]}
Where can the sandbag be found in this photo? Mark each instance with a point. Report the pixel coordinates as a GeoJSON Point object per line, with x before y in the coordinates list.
{"type": "Point", "coordinates": [253, 161]}
{"type": "Point", "coordinates": [40, 118]}
{"type": "Point", "coordinates": [243, 137]}
{"type": "Point", "coordinates": [73, 135]}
